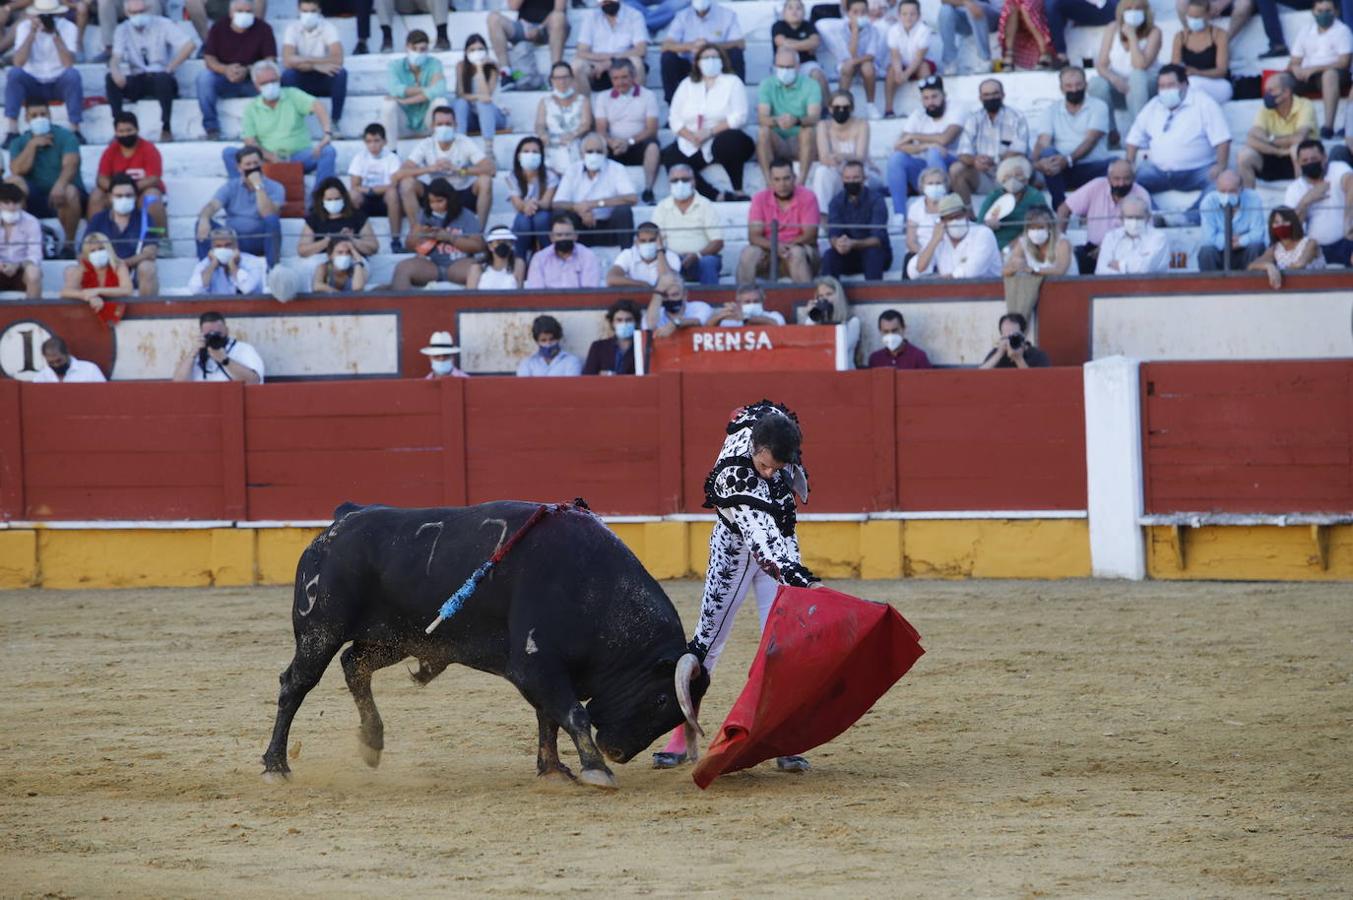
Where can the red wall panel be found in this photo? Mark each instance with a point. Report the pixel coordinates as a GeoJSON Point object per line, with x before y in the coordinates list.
{"type": "Point", "coordinates": [1269, 437]}
{"type": "Point", "coordinates": [1002, 439]}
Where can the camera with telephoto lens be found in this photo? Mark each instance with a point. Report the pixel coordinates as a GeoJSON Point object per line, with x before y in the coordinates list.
{"type": "Point", "coordinates": [1016, 341]}
{"type": "Point", "coordinates": [216, 341]}
{"type": "Point", "coordinates": [48, 22]}
{"type": "Point", "coordinates": [820, 312]}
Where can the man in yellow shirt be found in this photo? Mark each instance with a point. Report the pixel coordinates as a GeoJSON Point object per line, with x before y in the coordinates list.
{"type": "Point", "coordinates": [690, 227]}
{"type": "Point", "coordinates": [1285, 121]}
{"type": "Point", "coordinates": [276, 122]}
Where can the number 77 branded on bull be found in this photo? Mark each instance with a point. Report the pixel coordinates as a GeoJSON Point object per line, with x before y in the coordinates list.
{"type": "Point", "coordinates": [746, 348]}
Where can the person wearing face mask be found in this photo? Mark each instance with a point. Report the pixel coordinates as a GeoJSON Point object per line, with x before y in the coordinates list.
{"type": "Point", "coordinates": [1135, 247]}
{"type": "Point", "coordinates": [788, 109]}
{"type": "Point", "coordinates": [147, 50]}
{"type": "Point", "coordinates": [1071, 149]}
{"type": "Point", "coordinates": [1323, 197]}
{"type": "Point", "coordinates": [857, 229]}
{"type": "Point", "coordinates": [98, 276]}
{"type": "Point", "coordinates": [565, 263]}
{"type": "Point", "coordinates": [691, 227]}
{"type": "Point", "coordinates": [203, 13]}
{"type": "Point", "coordinates": [908, 52]}
{"type": "Point", "coordinates": [343, 272]}
{"type": "Point", "coordinates": [609, 31]}
{"type": "Point", "coordinates": [252, 204]}
{"type": "Point", "coordinates": [1039, 250]}
{"type": "Point", "coordinates": [929, 139]}
{"type": "Point", "coordinates": [45, 163]}
{"type": "Point", "coordinates": [550, 358]}
{"type": "Point", "coordinates": [627, 120]}
{"type": "Point", "coordinates": [131, 155]}
{"type": "Point", "coordinates": [1285, 121]}
{"type": "Point", "coordinates": [1204, 50]}
{"type": "Point", "coordinates": [334, 218]}
{"type": "Point", "coordinates": [856, 43]}
{"type": "Point", "coordinates": [748, 307]}
{"type": "Point", "coordinates": [129, 229]}
{"type": "Point", "coordinates": [645, 262]}
{"type": "Point", "coordinates": [477, 78]}
{"type": "Point", "coordinates": [959, 248]}
{"type": "Point", "coordinates": [991, 135]}
{"type": "Point", "coordinates": [1099, 204]}
{"type": "Point", "coordinates": [841, 137]}
{"type": "Point", "coordinates": [1012, 178]}
{"type": "Point", "coordinates": [111, 13]}
{"type": "Point", "coordinates": [563, 117]}
{"type": "Point", "coordinates": [64, 368]}
{"type": "Point", "coordinates": [923, 213]}
{"type": "Point", "coordinates": [451, 155]}
{"type": "Point", "coordinates": [441, 352]}
{"type": "Point", "coordinates": [1186, 134]}
{"type": "Point", "coordinates": [312, 56]}
{"type": "Point", "coordinates": [502, 269]}
{"type": "Point", "coordinates": [43, 66]}
{"type": "Point", "coordinates": [415, 87]}
{"type": "Point", "coordinates": [234, 44]}
{"type": "Point", "coordinates": [1127, 58]}
{"type": "Point", "coordinates": [1320, 60]}
{"type": "Point", "coordinates": [670, 308]}
{"type": "Point", "coordinates": [20, 244]}
{"type": "Point", "coordinates": [1244, 209]}
{"type": "Point", "coordinates": [276, 121]}
{"type": "Point", "coordinates": [1292, 248]}
{"type": "Point", "coordinates": [614, 355]}
{"type": "Point", "coordinates": [1238, 12]}
{"type": "Point", "coordinates": [226, 269]}
{"type": "Point", "coordinates": [1013, 349]}
{"type": "Point", "coordinates": [795, 31]}
{"type": "Point", "coordinates": [897, 352]}
{"type": "Point", "coordinates": [530, 189]}
{"type": "Point", "coordinates": [599, 192]}
{"type": "Point", "coordinates": [213, 355]}
{"type": "Point", "coordinates": [707, 117]}
{"type": "Point", "coordinates": [703, 23]}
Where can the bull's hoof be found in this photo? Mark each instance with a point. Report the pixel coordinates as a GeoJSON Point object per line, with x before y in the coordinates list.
{"type": "Point", "coordinates": [276, 776]}
{"type": "Point", "coordinates": [598, 778]}
{"type": "Point", "coordinates": [370, 755]}
{"type": "Point", "coordinates": [558, 775]}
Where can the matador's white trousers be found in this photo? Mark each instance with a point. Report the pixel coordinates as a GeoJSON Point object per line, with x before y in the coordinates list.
{"type": "Point", "coordinates": [732, 572]}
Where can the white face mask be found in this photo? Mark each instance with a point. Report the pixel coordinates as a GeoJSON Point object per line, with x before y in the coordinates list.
{"type": "Point", "coordinates": [416, 58]}
{"type": "Point", "coordinates": [530, 161]}
{"type": "Point", "coordinates": [787, 76]}
{"type": "Point", "coordinates": [892, 340]}
{"type": "Point", "coordinates": [1134, 17]}
{"type": "Point", "coordinates": [444, 134]}
{"type": "Point", "coordinates": [1195, 24]}
{"type": "Point", "coordinates": [342, 261]}
{"type": "Point", "coordinates": [477, 57]}
{"type": "Point", "coordinates": [223, 254]}
{"type": "Point", "coordinates": [564, 94]}
{"type": "Point", "coordinates": [40, 126]}
{"type": "Point", "coordinates": [1014, 185]}
{"type": "Point", "coordinates": [1171, 97]}
{"type": "Point", "coordinates": [1133, 227]}
{"type": "Point", "coordinates": [1038, 236]}
{"type": "Point", "coordinates": [700, 6]}
{"type": "Point", "coordinates": [442, 366]}
{"type": "Point", "coordinates": [242, 20]}
{"type": "Point", "coordinates": [752, 309]}
{"type": "Point", "coordinates": [934, 191]}
{"type": "Point", "coordinates": [682, 190]}
{"type": "Point", "coordinates": [711, 67]}
{"type": "Point", "coordinates": [648, 251]}
{"type": "Point", "coordinates": [957, 229]}
{"type": "Point", "coordinates": [271, 91]}
{"type": "Point", "coordinates": [123, 205]}
{"type": "Point", "coordinates": [1228, 199]}
{"type": "Point", "coordinates": [9, 216]}
{"type": "Point", "coordinates": [592, 160]}
{"type": "Point", "coordinates": [98, 258]}
{"type": "Point", "coordinates": [333, 207]}
{"type": "Point", "coordinates": [310, 20]}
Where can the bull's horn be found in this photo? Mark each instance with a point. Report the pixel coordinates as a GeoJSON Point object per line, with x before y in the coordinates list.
{"type": "Point", "coordinates": [687, 670]}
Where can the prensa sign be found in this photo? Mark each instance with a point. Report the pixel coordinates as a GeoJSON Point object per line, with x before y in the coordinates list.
{"type": "Point", "coordinates": [769, 348]}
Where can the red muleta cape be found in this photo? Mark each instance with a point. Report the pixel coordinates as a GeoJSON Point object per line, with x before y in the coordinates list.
{"type": "Point", "coordinates": [825, 659]}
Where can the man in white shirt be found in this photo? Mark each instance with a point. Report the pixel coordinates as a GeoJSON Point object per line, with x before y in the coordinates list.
{"type": "Point", "coordinates": [748, 307]}
{"type": "Point", "coordinates": [1320, 60]}
{"type": "Point", "coordinates": [1135, 247]}
{"type": "Point", "coordinates": [691, 227]}
{"type": "Point", "coordinates": [1072, 150]}
{"type": "Point", "coordinates": [929, 138]}
{"type": "Point", "coordinates": [225, 270]}
{"type": "Point", "coordinates": [147, 51]}
{"type": "Point", "coordinates": [1186, 135]}
{"type": "Point", "coordinates": [991, 135]}
{"type": "Point", "coordinates": [958, 248]}
{"type": "Point", "coordinates": [371, 178]}
{"type": "Point", "coordinates": [111, 14]}
{"type": "Point", "coordinates": [702, 24]}
{"type": "Point", "coordinates": [550, 358]}
{"type": "Point", "coordinates": [1323, 198]}
{"type": "Point", "coordinates": [669, 308]}
{"type": "Point", "coordinates": [607, 32]}
{"type": "Point", "coordinates": [62, 368]}
{"type": "Point", "coordinates": [856, 44]}
{"type": "Point", "coordinates": [599, 192]}
{"type": "Point", "coordinates": [216, 356]}
{"type": "Point", "coordinates": [626, 117]}
{"type": "Point", "coordinates": [448, 154]}
{"type": "Point", "coordinates": [643, 264]}
{"type": "Point", "coordinates": [312, 57]}
{"type": "Point", "coordinates": [45, 44]}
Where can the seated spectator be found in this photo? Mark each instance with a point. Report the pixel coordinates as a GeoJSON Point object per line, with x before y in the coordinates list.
{"type": "Point", "coordinates": [795, 209]}
{"type": "Point", "coordinates": [550, 358]}
{"type": "Point", "coordinates": [707, 116]}
{"type": "Point", "coordinates": [991, 135]}
{"type": "Point", "coordinates": [929, 139]}
{"type": "Point", "coordinates": [1320, 60]}
{"type": "Point", "coordinates": [503, 269]}
{"type": "Point", "coordinates": [448, 154]}
{"type": "Point", "coordinates": [842, 137]}
{"type": "Point", "coordinates": [897, 352]}
{"type": "Point", "coordinates": [1186, 134]}
{"type": "Point", "coordinates": [232, 47]}
{"type": "Point", "coordinates": [830, 307]}
{"type": "Point", "coordinates": [276, 123]}
{"type": "Point", "coordinates": [216, 356]}
{"type": "Point", "coordinates": [128, 226]}
{"type": "Point", "coordinates": [147, 51]}
{"type": "Point", "coordinates": [670, 308]}
{"type": "Point", "coordinates": [42, 70]}
{"type": "Point", "coordinates": [371, 179]}
{"type": "Point", "coordinates": [530, 190]}
{"type": "Point", "coordinates": [908, 52]}
{"type": "Point", "coordinates": [627, 120]}
{"type": "Point", "coordinates": [385, 13]}
{"type": "Point", "coordinates": [965, 17]}
{"type": "Point", "coordinates": [111, 13]}
{"type": "Point", "coordinates": [537, 22]}
{"type": "Point", "coordinates": [923, 213]}
{"type": "Point", "coordinates": [960, 249]}
{"type": "Point", "coordinates": [599, 192]}
{"type": "Point", "coordinates": [415, 86]}
{"type": "Point", "coordinates": [614, 355]}
{"type": "Point", "coordinates": [64, 368]}
{"type": "Point", "coordinates": [1323, 198]}
{"type": "Point", "coordinates": [1072, 149]}
{"type": "Point", "coordinates": [856, 43]}
{"type": "Point", "coordinates": [343, 272]}
{"type": "Point", "coordinates": [1127, 61]}
{"type": "Point", "coordinates": [691, 227]}
{"type": "Point", "coordinates": [1013, 177]}
{"type": "Point", "coordinates": [1244, 208]}
{"type": "Point", "coordinates": [1286, 120]}
{"type": "Point", "coordinates": [857, 229]}
{"type": "Point", "coordinates": [1239, 13]}
{"type": "Point", "coordinates": [1136, 247]}
{"type": "Point", "coordinates": [202, 13]}
{"type": "Point", "coordinates": [334, 217]}
{"type": "Point", "coordinates": [565, 263]}
{"type": "Point", "coordinates": [788, 109]}
{"type": "Point", "coordinates": [129, 154]}
{"type": "Point", "coordinates": [563, 117]}
{"type": "Point", "coordinates": [312, 56]}
{"type": "Point", "coordinates": [748, 307]}
{"type": "Point", "coordinates": [441, 352]}
{"type": "Point", "coordinates": [1204, 52]}
{"type": "Point", "coordinates": [1014, 350]}
{"type": "Point", "coordinates": [20, 245]}
{"type": "Point", "coordinates": [1099, 204]}
{"type": "Point", "coordinates": [1061, 13]}
{"type": "Point", "coordinates": [1039, 250]}
{"type": "Point", "coordinates": [45, 164]}
{"type": "Point", "coordinates": [642, 264]}
{"type": "Point", "coordinates": [251, 203]}
{"type": "Point", "coordinates": [226, 269]}
{"type": "Point", "coordinates": [702, 24]}
{"type": "Point", "coordinates": [1024, 36]}
{"type": "Point", "coordinates": [98, 275]}
{"type": "Point", "coordinates": [444, 239]}
{"type": "Point", "coordinates": [1292, 248]}
{"type": "Point", "coordinates": [609, 31]}
{"type": "Point", "coordinates": [795, 31]}
{"type": "Point", "coordinates": [477, 79]}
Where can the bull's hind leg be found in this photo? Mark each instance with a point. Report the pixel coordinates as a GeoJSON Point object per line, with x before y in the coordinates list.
{"type": "Point", "coordinates": [314, 651]}
{"type": "Point", "coordinates": [548, 765]}
{"type": "Point", "coordinates": [359, 661]}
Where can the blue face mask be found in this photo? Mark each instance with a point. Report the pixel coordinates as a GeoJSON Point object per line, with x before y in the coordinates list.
{"type": "Point", "coordinates": [40, 126]}
{"type": "Point", "coordinates": [624, 330]}
{"type": "Point", "coordinates": [550, 351]}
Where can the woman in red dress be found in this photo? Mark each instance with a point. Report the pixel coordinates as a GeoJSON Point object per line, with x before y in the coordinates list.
{"type": "Point", "coordinates": [1024, 34]}
{"type": "Point", "coordinates": [98, 275]}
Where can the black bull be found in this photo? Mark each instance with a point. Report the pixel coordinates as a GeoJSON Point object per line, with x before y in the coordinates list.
{"type": "Point", "coordinates": [569, 615]}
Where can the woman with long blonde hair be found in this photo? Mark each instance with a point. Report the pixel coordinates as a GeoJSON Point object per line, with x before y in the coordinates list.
{"type": "Point", "coordinates": [1127, 62]}
{"type": "Point", "coordinates": [98, 275]}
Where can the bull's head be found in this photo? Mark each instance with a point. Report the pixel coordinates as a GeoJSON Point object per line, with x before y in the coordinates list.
{"type": "Point", "coordinates": [652, 703]}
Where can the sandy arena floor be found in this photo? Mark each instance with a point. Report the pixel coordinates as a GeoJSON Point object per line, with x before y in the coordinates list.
{"type": "Point", "coordinates": [1059, 739]}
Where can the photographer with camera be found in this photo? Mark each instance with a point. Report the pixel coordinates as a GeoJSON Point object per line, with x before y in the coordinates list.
{"type": "Point", "coordinates": [45, 45]}
{"type": "Point", "coordinates": [670, 308]}
{"type": "Point", "coordinates": [829, 306]}
{"type": "Point", "coordinates": [216, 356]}
{"type": "Point", "coordinates": [1014, 350]}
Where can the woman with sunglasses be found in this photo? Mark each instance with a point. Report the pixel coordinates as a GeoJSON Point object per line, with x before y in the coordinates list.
{"type": "Point", "coordinates": [841, 136]}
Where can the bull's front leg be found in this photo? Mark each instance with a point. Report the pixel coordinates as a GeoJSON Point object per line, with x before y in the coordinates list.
{"type": "Point", "coordinates": [548, 765]}
{"type": "Point", "coordinates": [551, 693]}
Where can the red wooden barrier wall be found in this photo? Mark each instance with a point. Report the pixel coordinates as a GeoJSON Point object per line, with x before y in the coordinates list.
{"type": "Point", "coordinates": [1270, 437]}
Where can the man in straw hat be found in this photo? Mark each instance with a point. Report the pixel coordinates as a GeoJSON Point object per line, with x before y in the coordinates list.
{"type": "Point", "coordinates": [440, 351]}
{"type": "Point", "coordinates": [958, 248]}
{"type": "Point", "coordinates": [45, 44]}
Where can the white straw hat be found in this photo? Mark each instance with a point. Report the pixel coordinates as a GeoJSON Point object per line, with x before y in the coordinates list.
{"type": "Point", "coordinates": [440, 345]}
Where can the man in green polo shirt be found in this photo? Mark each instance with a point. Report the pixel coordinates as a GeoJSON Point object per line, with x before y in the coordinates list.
{"type": "Point", "coordinates": [787, 109]}
{"type": "Point", "coordinates": [45, 162]}
{"type": "Point", "coordinates": [276, 122]}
